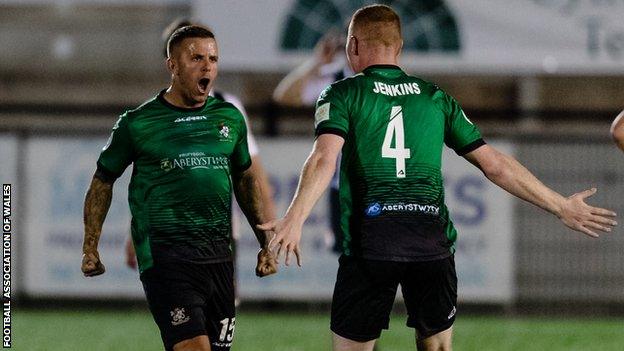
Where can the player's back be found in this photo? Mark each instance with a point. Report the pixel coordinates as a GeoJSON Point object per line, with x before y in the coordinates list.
{"type": "Point", "coordinates": [392, 194]}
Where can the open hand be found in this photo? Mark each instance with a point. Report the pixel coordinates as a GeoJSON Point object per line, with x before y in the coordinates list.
{"type": "Point", "coordinates": [578, 215]}
{"type": "Point", "coordinates": [286, 238]}
{"type": "Point", "coordinates": [91, 264]}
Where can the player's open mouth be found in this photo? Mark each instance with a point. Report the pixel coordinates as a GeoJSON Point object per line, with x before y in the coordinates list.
{"type": "Point", "coordinates": [203, 85]}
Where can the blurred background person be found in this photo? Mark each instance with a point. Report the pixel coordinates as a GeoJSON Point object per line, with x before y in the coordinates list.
{"type": "Point", "coordinates": [301, 88]}
{"type": "Point", "coordinates": [617, 130]}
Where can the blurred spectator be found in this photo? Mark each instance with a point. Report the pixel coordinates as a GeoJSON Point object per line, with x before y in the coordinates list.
{"type": "Point", "coordinates": [303, 85]}
{"type": "Point", "coordinates": [617, 130]}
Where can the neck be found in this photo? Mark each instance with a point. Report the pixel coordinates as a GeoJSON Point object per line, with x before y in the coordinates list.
{"type": "Point", "coordinates": [382, 62]}
{"type": "Point", "coordinates": [378, 55]}
{"type": "Point", "coordinates": [379, 61]}
{"type": "Point", "coordinates": [176, 98]}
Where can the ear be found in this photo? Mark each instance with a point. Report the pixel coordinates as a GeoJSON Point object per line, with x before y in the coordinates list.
{"type": "Point", "coordinates": [400, 48]}
{"type": "Point", "coordinates": [171, 65]}
{"type": "Point", "coordinates": [355, 50]}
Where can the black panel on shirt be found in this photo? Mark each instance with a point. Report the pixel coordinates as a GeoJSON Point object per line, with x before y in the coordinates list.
{"type": "Point", "coordinates": [470, 147]}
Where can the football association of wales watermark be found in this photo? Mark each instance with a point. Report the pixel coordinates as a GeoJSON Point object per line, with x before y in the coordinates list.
{"type": "Point", "coordinates": [6, 266]}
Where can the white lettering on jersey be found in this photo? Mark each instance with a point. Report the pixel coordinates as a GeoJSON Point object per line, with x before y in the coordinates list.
{"type": "Point", "coordinates": [396, 89]}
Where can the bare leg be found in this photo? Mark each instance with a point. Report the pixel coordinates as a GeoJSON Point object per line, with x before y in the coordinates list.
{"type": "Point", "coordinates": [441, 341]}
{"type": "Point", "coordinates": [344, 344]}
{"type": "Point", "coordinates": [198, 343]}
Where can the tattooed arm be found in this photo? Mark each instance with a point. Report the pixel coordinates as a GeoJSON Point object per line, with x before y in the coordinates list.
{"type": "Point", "coordinates": [97, 203]}
{"type": "Point", "coordinates": [249, 196]}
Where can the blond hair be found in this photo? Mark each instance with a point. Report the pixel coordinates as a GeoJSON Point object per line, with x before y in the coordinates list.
{"type": "Point", "coordinates": [377, 24]}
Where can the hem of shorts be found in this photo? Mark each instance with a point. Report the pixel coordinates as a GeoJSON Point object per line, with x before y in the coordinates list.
{"type": "Point", "coordinates": [189, 335]}
{"type": "Point", "coordinates": [355, 337]}
{"type": "Point", "coordinates": [434, 331]}
{"type": "Point", "coordinates": [406, 258]}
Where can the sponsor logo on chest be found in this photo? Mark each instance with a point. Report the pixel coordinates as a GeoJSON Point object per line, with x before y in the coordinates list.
{"type": "Point", "coordinates": [194, 160]}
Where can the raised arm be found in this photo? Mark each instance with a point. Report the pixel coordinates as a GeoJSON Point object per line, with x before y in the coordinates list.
{"type": "Point", "coordinates": [315, 177]}
{"type": "Point", "coordinates": [251, 198]}
{"type": "Point", "coordinates": [96, 205]}
{"type": "Point", "coordinates": [506, 172]}
{"type": "Point", "coordinates": [291, 89]}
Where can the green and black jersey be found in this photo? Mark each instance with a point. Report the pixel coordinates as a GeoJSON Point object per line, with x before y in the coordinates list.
{"type": "Point", "coordinates": [180, 190]}
{"type": "Point", "coordinates": [391, 186]}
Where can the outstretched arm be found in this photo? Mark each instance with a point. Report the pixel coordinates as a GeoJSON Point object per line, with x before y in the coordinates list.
{"type": "Point", "coordinates": [506, 172]}
{"type": "Point", "coordinates": [97, 203]}
{"type": "Point", "coordinates": [315, 177]}
{"type": "Point", "coordinates": [249, 195]}
{"type": "Point", "coordinates": [617, 130]}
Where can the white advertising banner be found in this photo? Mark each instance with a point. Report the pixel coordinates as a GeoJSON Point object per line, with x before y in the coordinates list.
{"type": "Point", "coordinates": [482, 213]}
{"type": "Point", "coordinates": [484, 217]}
{"type": "Point", "coordinates": [8, 158]}
{"type": "Point", "coordinates": [283, 159]}
{"type": "Point", "coordinates": [440, 36]}
{"type": "Point", "coordinates": [58, 173]}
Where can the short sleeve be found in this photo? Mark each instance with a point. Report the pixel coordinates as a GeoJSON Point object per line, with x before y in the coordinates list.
{"type": "Point", "coordinates": [460, 133]}
{"type": "Point", "coordinates": [331, 116]}
{"type": "Point", "coordinates": [251, 141]}
{"type": "Point", "coordinates": [118, 152]}
{"type": "Point", "coordinates": [241, 160]}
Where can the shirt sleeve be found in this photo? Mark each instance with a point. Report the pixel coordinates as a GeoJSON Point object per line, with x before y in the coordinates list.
{"type": "Point", "coordinates": [460, 133]}
{"type": "Point", "coordinates": [251, 141]}
{"type": "Point", "coordinates": [118, 153]}
{"type": "Point", "coordinates": [331, 116]}
{"type": "Point", "coordinates": [241, 160]}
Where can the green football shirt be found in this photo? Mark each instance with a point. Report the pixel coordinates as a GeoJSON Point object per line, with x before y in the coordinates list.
{"type": "Point", "coordinates": [180, 190]}
{"type": "Point", "coordinates": [391, 186]}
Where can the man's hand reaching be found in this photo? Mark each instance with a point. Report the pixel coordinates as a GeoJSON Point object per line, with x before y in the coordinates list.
{"type": "Point", "coordinates": [578, 215]}
{"type": "Point", "coordinates": [286, 239]}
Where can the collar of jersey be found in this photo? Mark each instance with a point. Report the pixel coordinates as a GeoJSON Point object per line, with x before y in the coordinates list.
{"type": "Point", "coordinates": [163, 101]}
{"type": "Point", "coordinates": [383, 68]}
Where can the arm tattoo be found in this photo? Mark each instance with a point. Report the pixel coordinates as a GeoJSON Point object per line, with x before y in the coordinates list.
{"type": "Point", "coordinates": [249, 197]}
{"type": "Point", "coordinates": [97, 203]}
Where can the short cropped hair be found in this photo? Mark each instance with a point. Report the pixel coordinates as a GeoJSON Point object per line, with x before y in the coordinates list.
{"type": "Point", "coordinates": [170, 29]}
{"type": "Point", "coordinates": [377, 23]}
{"type": "Point", "coordinates": [192, 31]}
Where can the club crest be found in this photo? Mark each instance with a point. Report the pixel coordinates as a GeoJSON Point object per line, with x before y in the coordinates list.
{"type": "Point", "coordinates": [178, 316]}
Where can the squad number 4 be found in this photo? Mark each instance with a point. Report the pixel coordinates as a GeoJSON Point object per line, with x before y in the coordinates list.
{"type": "Point", "coordinates": [395, 131]}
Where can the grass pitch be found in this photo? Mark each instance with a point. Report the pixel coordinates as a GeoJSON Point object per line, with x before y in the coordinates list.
{"type": "Point", "coordinates": [134, 330]}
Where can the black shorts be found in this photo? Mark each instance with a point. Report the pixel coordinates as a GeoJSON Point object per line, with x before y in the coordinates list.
{"type": "Point", "coordinates": [365, 291]}
{"type": "Point", "coordinates": [188, 300]}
